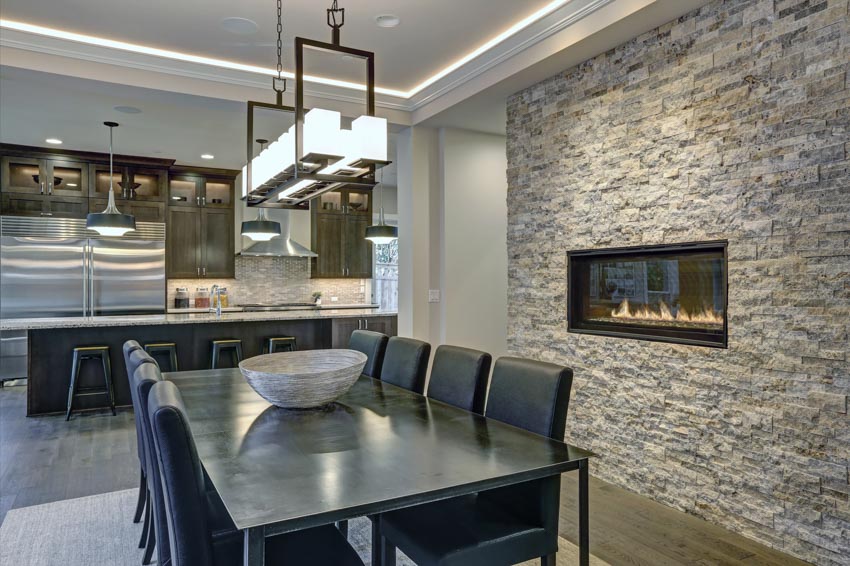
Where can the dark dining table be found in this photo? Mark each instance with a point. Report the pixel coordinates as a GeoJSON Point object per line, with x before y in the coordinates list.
{"type": "Point", "coordinates": [378, 448]}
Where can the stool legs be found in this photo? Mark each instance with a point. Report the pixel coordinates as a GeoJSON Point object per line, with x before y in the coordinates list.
{"type": "Point", "coordinates": [72, 390]}
{"type": "Point", "coordinates": [169, 348]}
{"type": "Point", "coordinates": [234, 348]}
{"type": "Point", "coordinates": [90, 353]}
{"type": "Point", "coordinates": [107, 374]}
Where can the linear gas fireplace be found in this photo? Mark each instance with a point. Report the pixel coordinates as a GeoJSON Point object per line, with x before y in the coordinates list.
{"type": "Point", "coordinates": [670, 293]}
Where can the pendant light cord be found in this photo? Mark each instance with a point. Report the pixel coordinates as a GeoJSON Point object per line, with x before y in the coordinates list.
{"type": "Point", "coordinates": [279, 79]}
{"type": "Point", "coordinates": [110, 160]}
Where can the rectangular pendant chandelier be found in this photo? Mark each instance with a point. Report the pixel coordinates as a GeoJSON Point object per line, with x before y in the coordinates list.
{"type": "Point", "coordinates": [316, 154]}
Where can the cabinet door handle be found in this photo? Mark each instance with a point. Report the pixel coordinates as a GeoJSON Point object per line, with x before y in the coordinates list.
{"type": "Point", "coordinates": [203, 201]}
{"type": "Point", "coordinates": [198, 201]}
{"type": "Point", "coordinates": [42, 187]}
{"type": "Point", "coordinates": [199, 272]}
{"type": "Point", "coordinates": [359, 324]}
{"type": "Point", "coordinates": [366, 322]}
{"type": "Point", "coordinates": [47, 214]}
{"type": "Point", "coordinates": [50, 188]}
{"type": "Point", "coordinates": [204, 271]}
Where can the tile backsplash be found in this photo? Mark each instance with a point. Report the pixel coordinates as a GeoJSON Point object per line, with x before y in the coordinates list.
{"type": "Point", "coordinates": [277, 280]}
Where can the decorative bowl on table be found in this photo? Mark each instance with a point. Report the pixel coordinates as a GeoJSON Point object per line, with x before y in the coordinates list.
{"type": "Point", "coordinates": [304, 379]}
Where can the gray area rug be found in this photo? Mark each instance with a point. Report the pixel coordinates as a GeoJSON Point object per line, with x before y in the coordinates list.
{"type": "Point", "coordinates": [98, 531]}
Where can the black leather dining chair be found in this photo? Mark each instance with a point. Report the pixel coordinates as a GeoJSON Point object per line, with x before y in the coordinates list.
{"type": "Point", "coordinates": [374, 345]}
{"type": "Point", "coordinates": [131, 346]}
{"type": "Point", "coordinates": [501, 526]}
{"type": "Point", "coordinates": [134, 357]}
{"type": "Point", "coordinates": [459, 377]}
{"type": "Point", "coordinates": [406, 363]}
{"type": "Point", "coordinates": [144, 378]}
{"type": "Point", "coordinates": [190, 529]}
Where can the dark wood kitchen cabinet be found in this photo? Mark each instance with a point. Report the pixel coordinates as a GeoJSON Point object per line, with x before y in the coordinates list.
{"type": "Point", "coordinates": [130, 183]}
{"type": "Point", "coordinates": [338, 233]}
{"type": "Point", "coordinates": [343, 327]}
{"type": "Point", "coordinates": [143, 211]}
{"type": "Point", "coordinates": [200, 224]}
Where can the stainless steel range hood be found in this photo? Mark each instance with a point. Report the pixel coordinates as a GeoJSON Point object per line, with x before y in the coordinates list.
{"type": "Point", "coordinates": [281, 246]}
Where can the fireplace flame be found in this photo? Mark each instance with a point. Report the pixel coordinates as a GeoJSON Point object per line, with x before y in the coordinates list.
{"type": "Point", "coordinates": [664, 313]}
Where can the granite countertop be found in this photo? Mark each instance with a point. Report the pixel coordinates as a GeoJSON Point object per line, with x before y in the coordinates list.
{"type": "Point", "coordinates": [192, 318]}
{"type": "Point", "coordinates": [238, 308]}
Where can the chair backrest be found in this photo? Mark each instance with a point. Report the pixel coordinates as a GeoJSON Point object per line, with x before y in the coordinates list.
{"type": "Point", "coordinates": [144, 378]}
{"type": "Point", "coordinates": [459, 377]}
{"type": "Point", "coordinates": [531, 395]}
{"type": "Point", "coordinates": [182, 477]}
{"type": "Point", "coordinates": [374, 345]}
{"type": "Point", "coordinates": [406, 363]}
{"type": "Point", "coordinates": [135, 355]}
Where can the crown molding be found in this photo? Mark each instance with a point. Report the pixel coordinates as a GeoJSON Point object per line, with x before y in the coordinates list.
{"type": "Point", "coordinates": [546, 27]}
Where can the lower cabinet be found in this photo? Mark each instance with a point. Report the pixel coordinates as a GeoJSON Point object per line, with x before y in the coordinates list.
{"type": "Point", "coordinates": [343, 327]}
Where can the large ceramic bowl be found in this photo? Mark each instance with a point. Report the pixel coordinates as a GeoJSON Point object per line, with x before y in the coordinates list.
{"type": "Point", "coordinates": [305, 379]}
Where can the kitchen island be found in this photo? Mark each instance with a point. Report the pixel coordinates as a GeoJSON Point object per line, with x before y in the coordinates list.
{"type": "Point", "coordinates": [51, 342]}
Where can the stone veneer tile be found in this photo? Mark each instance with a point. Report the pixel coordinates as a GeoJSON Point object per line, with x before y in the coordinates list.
{"type": "Point", "coordinates": [276, 280]}
{"type": "Point", "coordinates": [731, 122]}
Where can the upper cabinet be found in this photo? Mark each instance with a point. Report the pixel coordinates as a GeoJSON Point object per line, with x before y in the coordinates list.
{"type": "Point", "coordinates": [201, 188]}
{"type": "Point", "coordinates": [129, 182]}
{"type": "Point", "coordinates": [338, 229]}
{"type": "Point", "coordinates": [201, 237]}
{"type": "Point", "coordinates": [47, 177]}
{"type": "Point", "coordinates": [69, 184]}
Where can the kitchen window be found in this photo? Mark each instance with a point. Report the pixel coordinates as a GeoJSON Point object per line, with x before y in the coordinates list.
{"type": "Point", "coordinates": [386, 275]}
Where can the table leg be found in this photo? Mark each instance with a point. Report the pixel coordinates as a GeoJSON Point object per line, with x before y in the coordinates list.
{"type": "Point", "coordinates": [583, 516]}
{"type": "Point", "coordinates": [254, 549]}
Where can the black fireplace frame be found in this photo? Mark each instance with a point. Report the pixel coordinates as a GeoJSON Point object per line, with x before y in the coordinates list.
{"type": "Point", "coordinates": [675, 336]}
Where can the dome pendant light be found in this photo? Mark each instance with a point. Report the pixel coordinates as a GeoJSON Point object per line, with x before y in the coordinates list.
{"type": "Point", "coordinates": [381, 233]}
{"type": "Point", "coordinates": [262, 229]}
{"type": "Point", "coordinates": [110, 222]}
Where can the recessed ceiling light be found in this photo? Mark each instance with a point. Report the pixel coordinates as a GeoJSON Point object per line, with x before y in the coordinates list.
{"type": "Point", "coordinates": [207, 156]}
{"type": "Point", "coordinates": [387, 21]}
{"type": "Point", "coordinates": [128, 109]}
{"type": "Point", "coordinates": [239, 26]}
{"type": "Point", "coordinates": [54, 141]}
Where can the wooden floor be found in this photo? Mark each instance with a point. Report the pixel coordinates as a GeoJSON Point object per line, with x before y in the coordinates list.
{"type": "Point", "coordinates": [45, 459]}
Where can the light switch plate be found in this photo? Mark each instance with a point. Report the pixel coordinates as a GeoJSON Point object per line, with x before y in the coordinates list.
{"type": "Point", "coordinates": [433, 295]}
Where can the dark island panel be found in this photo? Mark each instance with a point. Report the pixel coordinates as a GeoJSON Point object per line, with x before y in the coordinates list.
{"type": "Point", "coordinates": [51, 352]}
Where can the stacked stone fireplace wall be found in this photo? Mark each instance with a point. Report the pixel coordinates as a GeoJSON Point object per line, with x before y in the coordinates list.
{"type": "Point", "coordinates": [732, 122]}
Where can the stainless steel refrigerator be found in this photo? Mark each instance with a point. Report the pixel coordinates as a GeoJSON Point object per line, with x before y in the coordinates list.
{"type": "Point", "coordinates": [55, 268]}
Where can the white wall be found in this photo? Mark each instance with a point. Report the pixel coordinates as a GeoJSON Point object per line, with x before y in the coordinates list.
{"type": "Point", "coordinates": [452, 193]}
{"type": "Point", "coordinates": [474, 248]}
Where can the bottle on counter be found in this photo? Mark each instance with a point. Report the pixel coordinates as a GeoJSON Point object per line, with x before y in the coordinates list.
{"type": "Point", "coordinates": [202, 298]}
{"type": "Point", "coordinates": [181, 299]}
{"type": "Point", "coordinates": [222, 297]}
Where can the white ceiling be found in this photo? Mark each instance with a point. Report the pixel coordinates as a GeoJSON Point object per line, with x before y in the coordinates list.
{"type": "Point", "coordinates": [432, 34]}
{"type": "Point", "coordinates": [35, 106]}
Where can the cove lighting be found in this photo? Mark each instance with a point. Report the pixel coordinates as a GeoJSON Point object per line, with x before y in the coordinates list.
{"type": "Point", "coordinates": [177, 55]}
{"type": "Point", "coordinates": [168, 54]}
{"type": "Point", "coordinates": [207, 156]}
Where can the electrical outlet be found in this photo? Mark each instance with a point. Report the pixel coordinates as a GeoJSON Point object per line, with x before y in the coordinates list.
{"type": "Point", "coordinates": [433, 295]}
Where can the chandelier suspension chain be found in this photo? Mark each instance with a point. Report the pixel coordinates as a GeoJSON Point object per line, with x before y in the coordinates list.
{"type": "Point", "coordinates": [279, 79]}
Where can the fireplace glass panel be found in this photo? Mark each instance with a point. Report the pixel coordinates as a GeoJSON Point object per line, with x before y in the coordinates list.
{"type": "Point", "coordinates": [670, 293]}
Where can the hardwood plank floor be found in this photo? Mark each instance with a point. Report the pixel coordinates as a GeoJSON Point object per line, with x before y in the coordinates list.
{"type": "Point", "coordinates": [44, 459]}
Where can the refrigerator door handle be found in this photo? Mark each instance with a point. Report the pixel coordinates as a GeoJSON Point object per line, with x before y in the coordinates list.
{"type": "Point", "coordinates": [85, 281]}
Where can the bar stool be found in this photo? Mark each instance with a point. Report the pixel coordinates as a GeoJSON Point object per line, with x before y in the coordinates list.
{"type": "Point", "coordinates": [232, 346]}
{"type": "Point", "coordinates": [279, 344]}
{"type": "Point", "coordinates": [81, 354]}
{"type": "Point", "coordinates": [169, 348]}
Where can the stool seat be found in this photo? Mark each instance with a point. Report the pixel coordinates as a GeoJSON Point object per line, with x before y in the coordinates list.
{"type": "Point", "coordinates": [81, 354]}
{"type": "Point", "coordinates": [169, 348]}
{"type": "Point", "coordinates": [230, 345]}
{"type": "Point", "coordinates": [279, 344]}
